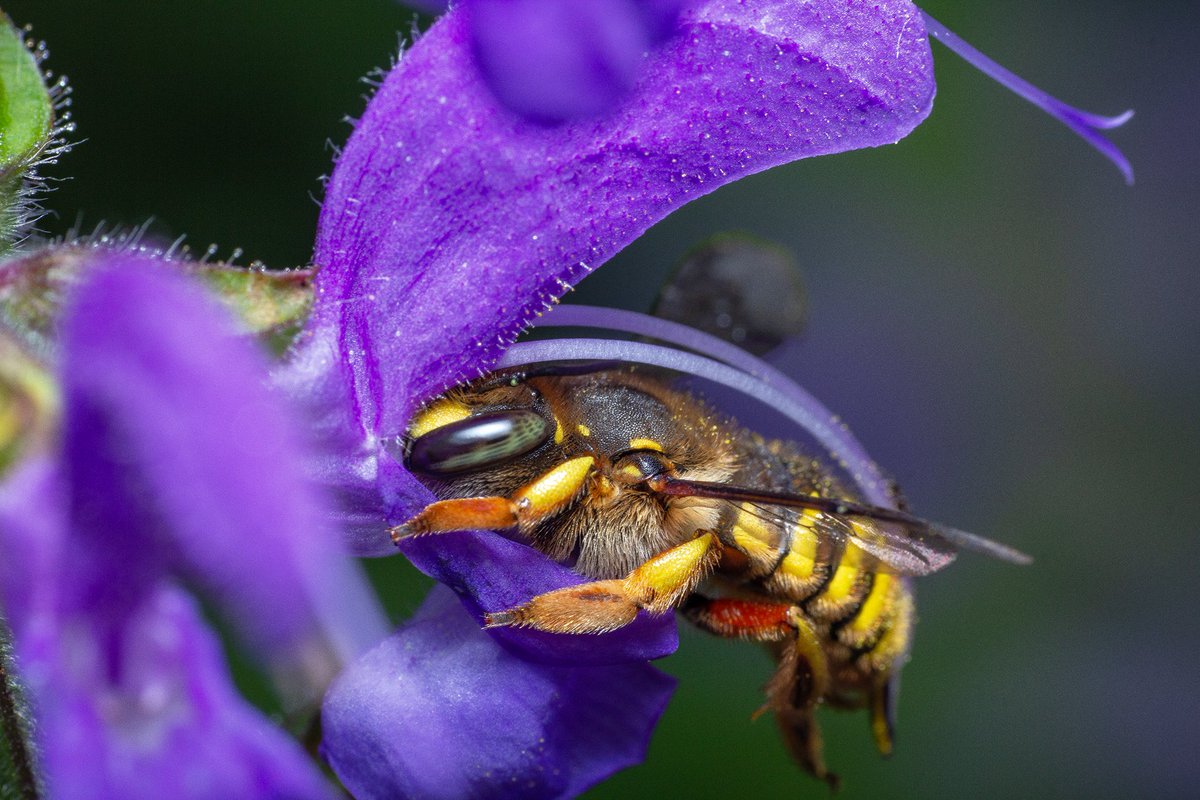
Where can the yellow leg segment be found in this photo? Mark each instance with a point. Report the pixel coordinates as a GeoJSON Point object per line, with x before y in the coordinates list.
{"type": "Point", "coordinates": [657, 586]}
{"type": "Point", "coordinates": [882, 725]}
{"type": "Point", "coordinates": [798, 685]}
{"type": "Point", "coordinates": [549, 494]}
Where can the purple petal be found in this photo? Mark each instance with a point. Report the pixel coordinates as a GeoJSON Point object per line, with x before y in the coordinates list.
{"type": "Point", "coordinates": [179, 458]}
{"type": "Point", "coordinates": [491, 573]}
{"type": "Point", "coordinates": [553, 61]}
{"type": "Point", "coordinates": [146, 709]}
{"type": "Point", "coordinates": [448, 223]}
{"type": "Point", "coordinates": [32, 535]}
{"type": "Point", "coordinates": [438, 710]}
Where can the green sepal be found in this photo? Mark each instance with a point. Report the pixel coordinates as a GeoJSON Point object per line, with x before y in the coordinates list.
{"type": "Point", "coordinates": [270, 304]}
{"type": "Point", "coordinates": [29, 402]}
{"type": "Point", "coordinates": [26, 129]}
{"type": "Point", "coordinates": [26, 109]}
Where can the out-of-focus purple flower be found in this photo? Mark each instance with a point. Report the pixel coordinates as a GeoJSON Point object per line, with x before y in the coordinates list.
{"type": "Point", "coordinates": [176, 467]}
{"type": "Point", "coordinates": [449, 224]}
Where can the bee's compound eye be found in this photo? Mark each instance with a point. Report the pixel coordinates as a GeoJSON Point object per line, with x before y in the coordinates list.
{"type": "Point", "coordinates": [479, 442]}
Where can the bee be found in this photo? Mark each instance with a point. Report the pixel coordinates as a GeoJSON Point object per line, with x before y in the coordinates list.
{"type": "Point", "coordinates": [665, 504]}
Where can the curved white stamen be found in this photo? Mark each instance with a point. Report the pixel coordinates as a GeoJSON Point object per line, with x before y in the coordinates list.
{"type": "Point", "coordinates": [1084, 123]}
{"type": "Point", "coordinates": [778, 392]}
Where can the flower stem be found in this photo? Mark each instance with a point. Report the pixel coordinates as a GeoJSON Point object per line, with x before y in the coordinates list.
{"type": "Point", "coordinates": [1086, 124]}
{"type": "Point", "coordinates": [17, 778]}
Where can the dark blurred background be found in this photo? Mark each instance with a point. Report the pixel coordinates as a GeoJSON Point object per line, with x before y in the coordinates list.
{"type": "Point", "coordinates": [1011, 331]}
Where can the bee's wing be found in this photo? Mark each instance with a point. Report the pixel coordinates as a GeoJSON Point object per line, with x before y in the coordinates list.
{"type": "Point", "coordinates": [902, 544]}
{"type": "Point", "coordinates": [890, 547]}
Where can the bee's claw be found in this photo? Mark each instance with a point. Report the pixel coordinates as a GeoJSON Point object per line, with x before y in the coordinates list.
{"type": "Point", "coordinates": [758, 712]}
{"type": "Point", "coordinates": [833, 780]}
{"type": "Point", "coordinates": [499, 619]}
{"type": "Point", "coordinates": [401, 532]}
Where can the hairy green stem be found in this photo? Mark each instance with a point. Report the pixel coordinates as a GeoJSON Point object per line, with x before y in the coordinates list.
{"type": "Point", "coordinates": [17, 776]}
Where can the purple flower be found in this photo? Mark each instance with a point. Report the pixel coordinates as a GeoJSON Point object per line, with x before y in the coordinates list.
{"type": "Point", "coordinates": [449, 224]}
{"type": "Point", "coordinates": [176, 468]}
{"type": "Point", "coordinates": [556, 60]}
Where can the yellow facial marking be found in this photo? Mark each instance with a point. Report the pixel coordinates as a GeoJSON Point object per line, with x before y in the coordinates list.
{"type": "Point", "coordinates": [632, 471]}
{"type": "Point", "coordinates": [668, 571]}
{"type": "Point", "coordinates": [584, 430]}
{"type": "Point", "coordinates": [559, 433]}
{"type": "Point", "coordinates": [557, 487]}
{"type": "Point", "coordinates": [438, 415]}
{"type": "Point", "coordinates": [645, 444]}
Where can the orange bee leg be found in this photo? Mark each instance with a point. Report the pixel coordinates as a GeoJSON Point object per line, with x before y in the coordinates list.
{"type": "Point", "coordinates": [547, 495]}
{"type": "Point", "coordinates": [657, 586]}
{"type": "Point", "coordinates": [800, 681]}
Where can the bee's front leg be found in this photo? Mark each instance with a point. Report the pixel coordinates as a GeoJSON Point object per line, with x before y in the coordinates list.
{"type": "Point", "coordinates": [657, 586]}
{"type": "Point", "coordinates": [549, 494]}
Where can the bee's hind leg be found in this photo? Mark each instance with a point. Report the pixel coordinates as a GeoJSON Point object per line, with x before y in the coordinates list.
{"type": "Point", "coordinates": [801, 679]}
{"type": "Point", "coordinates": [657, 586]}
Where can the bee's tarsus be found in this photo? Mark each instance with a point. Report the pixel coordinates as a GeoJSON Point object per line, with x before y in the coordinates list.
{"type": "Point", "coordinates": [399, 533]}
{"type": "Point", "coordinates": [500, 619]}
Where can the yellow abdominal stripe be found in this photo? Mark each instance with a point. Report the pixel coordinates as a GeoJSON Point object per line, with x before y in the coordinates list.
{"type": "Point", "coordinates": [841, 585]}
{"type": "Point", "coordinates": [894, 642]}
{"type": "Point", "coordinates": [801, 559]}
{"type": "Point", "coordinates": [437, 415]}
{"type": "Point", "coordinates": [877, 604]}
{"type": "Point", "coordinates": [751, 534]}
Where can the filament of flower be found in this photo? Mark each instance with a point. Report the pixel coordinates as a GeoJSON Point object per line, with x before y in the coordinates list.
{"type": "Point", "coordinates": [1084, 123]}
{"type": "Point", "coordinates": [779, 393]}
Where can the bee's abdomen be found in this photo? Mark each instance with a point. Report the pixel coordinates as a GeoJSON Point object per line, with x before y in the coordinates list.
{"type": "Point", "coordinates": [800, 557]}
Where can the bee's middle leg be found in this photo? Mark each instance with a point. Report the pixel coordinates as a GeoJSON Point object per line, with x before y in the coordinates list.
{"type": "Point", "coordinates": [657, 586]}
{"type": "Point", "coordinates": [547, 495]}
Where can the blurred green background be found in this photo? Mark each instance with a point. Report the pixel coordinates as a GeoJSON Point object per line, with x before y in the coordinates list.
{"type": "Point", "coordinates": [1011, 331]}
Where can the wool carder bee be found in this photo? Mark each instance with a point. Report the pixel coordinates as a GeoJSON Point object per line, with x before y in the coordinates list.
{"type": "Point", "coordinates": [665, 504]}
